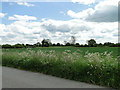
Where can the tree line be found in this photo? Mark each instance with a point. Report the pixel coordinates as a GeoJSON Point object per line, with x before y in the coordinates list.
{"type": "Point", "coordinates": [47, 43]}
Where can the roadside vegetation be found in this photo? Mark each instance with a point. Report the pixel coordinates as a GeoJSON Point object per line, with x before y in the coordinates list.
{"type": "Point", "coordinates": [92, 65]}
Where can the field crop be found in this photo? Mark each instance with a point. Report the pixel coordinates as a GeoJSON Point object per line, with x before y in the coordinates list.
{"type": "Point", "coordinates": [115, 50]}
{"type": "Point", "coordinates": [92, 65]}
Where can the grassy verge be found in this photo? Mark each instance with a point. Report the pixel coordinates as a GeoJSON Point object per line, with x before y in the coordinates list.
{"type": "Point", "coordinates": [96, 68]}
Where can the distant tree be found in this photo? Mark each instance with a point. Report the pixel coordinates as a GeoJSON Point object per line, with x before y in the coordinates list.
{"type": "Point", "coordinates": [18, 46]}
{"type": "Point", "coordinates": [61, 45]}
{"type": "Point", "coordinates": [65, 42]}
{"type": "Point", "coordinates": [91, 42]}
{"type": "Point", "coordinates": [77, 45]}
{"type": "Point", "coordinates": [46, 42]}
{"type": "Point", "coordinates": [23, 45]}
{"type": "Point", "coordinates": [72, 41]}
{"type": "Point", "coordinates": [29, 46]}
{"type": "Point", "coordinates": [6, 46]}
{"type": "Point", "coordinates": [54, 44]}
{"type": "Point", "coordinates": [99, 45]}
{"type": "Point", "coordinates": [38, 44]}
{"type": "Point", "coordinates": [58, 44]}
{"type": "Point", "coordinates": [117, 44]}
{"type": "Point", "coordinates": [85, 45]}
{"type": "Point", "coordinates": [108, 44]}
{"type": "Point", "coordinates": [50, 43]}
{"type": "Point", "coordinates": [68, 44]}
{"type": "Point", "coordinates": [112, 45]}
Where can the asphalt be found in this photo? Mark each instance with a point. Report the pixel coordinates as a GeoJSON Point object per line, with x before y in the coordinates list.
{"type": "Point", "coordinates": [14, 78]}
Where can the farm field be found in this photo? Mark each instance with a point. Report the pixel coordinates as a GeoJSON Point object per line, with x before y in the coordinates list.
{"type": "Point", "coordinates": [96, 65]}
{"type": "Point", "coordinates": [114, 50]}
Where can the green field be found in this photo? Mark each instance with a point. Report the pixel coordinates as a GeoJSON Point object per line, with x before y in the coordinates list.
{"type": "Point", "coordinates": [114, 50]}
{"type": "Point", "coordinates": [96, 65]}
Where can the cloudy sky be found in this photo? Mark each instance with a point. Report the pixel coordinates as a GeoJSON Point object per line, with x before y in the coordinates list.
{"type": "Point", "coordinates": [29, 22]}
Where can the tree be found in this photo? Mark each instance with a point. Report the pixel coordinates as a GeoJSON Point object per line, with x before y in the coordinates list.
{"type": "Point", "coordinates": [68, 44]}
{"type": "Point", "coordinates": [77, 44]}
{"type": "Point", "coordinates": [18, 46]}
{"type": "Point", "coordinates": [99, 45]}
{"type": "Point", "coordinates": [65, 42]}
{"type": "Point", "coordinates": [58, 44]}
{"type": "Point", "coordinates": [85, 45]}
{"type": "Point", "coordinates": [6, 46]}
{"type": "Point", "coordinates": [72, 40]}
{"type": "Point", "coordinates": [54, 44]}
{"type": "Point", "coordinates": [29, 46]}
{"type": "Point", "coordinates": [108, 44]}
{"type": "Point", "coordinates": [38, 44]}
{"type": "Point", "coordinates": [46, 42]}
{"type": "Point", "coordinates": [91, 42]}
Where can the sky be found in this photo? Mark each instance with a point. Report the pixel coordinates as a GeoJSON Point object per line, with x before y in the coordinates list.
{"type": "Point", "coordinates": [30, 22]}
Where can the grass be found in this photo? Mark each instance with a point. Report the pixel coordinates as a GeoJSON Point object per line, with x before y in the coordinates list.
{"type": "Point", "coordinates": [92, 65]}
{"type": "Point", "coordinates": [61, 49]}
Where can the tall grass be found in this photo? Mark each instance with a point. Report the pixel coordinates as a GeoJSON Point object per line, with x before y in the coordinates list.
{"type": "Point", "coordinates": [95, 68]}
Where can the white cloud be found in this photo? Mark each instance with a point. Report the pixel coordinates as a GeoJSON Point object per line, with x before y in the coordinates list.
{"type": "Point", "coordinates": [86, 2]}
{"type": "Point", "coordinates": [104, 11]}
{"type": "Point", "coordinates": [82, 14]}
{"type": "Point", "coordinates": [25, 4]}
{"type": "Point", "coordinates": [25, 29]}
{"type": "Point", "coordinates": [22, 18]}
{"type": "Point", "coordinates": [22, 31]}
{"type": "Point", "coordinates": [2, 15]}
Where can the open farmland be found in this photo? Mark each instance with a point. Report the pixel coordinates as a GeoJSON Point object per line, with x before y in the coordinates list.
{"type": "Point", "coordinates": [96, 65]}
{"type": "Point", "coordinates": [114, 50]}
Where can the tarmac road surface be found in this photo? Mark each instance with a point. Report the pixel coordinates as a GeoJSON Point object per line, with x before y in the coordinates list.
{"type": "Point", "coordinates": [14, 78]}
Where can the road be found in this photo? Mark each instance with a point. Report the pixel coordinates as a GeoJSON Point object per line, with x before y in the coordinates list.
{"type": "Point", "coordinates": [14, 78]}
